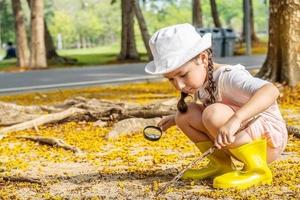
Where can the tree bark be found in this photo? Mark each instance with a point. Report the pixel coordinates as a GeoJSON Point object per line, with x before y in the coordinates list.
{"type": "Point", "coordinates": [38, 51]}
{"type": "Point", "coordinates": [215, 14]}
{"type": "Point", "coordinates": [101, 111]}
{"type": "Point", "coordinates": [197, 14]}
{"type": "Point", "coordinates": [48, 118]}
{"type": "Point", "coordinates": [51, 53]}
{"type": "Point", "coordinates": [283, 58]}
{"type": "Point", "coordinates": [128, 47]}
{"type": "Point", "coordinates": [254, 37]}
{"type": "Point", "coordinates": [80, 108]}
{"type": "Point", "coordinates": [49, 45]}
{"type": "Point", "coordinates": [143, 27]}
{"type": "Point", "coordinates": [23, 52]}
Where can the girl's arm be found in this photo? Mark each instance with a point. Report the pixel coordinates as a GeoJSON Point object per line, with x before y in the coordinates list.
{"type": "Point", "coordinates": [260, 101]}
{"type": "Point", "coordinates": [263, 98]}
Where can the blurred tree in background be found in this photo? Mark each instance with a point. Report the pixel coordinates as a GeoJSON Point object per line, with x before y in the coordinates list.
{"type": "Point", "coordinates": [215, 14]}
{"type": "Point", "coordinates": [21, 35]}
{"type": "Point", "coordinates": [37, 41]}
{"type": "Point", "coordinates": [89, 23]}
{"type": "Point", "coordinates": [283, 58]}
{"type": "Point", "coordinates": [197, 13]}
{"type": "Point", "coordinates": [7, 28]}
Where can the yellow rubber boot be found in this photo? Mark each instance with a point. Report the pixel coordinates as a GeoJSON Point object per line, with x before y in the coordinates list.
{"type": "Point", "coordinates": [220, 163]}
{"type": "Point", "coordinates": [255, 171]}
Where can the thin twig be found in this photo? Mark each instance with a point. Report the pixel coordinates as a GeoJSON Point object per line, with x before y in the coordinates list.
{"type": "Point", "coordinates": [205, 154]}
{"type": "Point", "coordinates": [52, 142]}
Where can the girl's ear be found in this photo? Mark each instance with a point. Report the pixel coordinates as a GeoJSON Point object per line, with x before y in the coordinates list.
{"type": "Point", "coordinates": [203, 58]}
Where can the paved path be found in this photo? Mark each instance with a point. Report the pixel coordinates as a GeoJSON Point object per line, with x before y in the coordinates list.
{"type": "Point", "coordinates": [94, 75]}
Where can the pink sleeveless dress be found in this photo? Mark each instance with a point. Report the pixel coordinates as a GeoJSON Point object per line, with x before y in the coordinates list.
{"type": "Point", "coordinates": [234, 87]}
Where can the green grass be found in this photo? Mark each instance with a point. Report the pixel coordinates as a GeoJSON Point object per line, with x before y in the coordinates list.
{"type": "Point", "coordinates": [101, 55]}
{"type": "Point", "coordinates": [9, 64]}
{"type": "Point", "coordinates": [108, 54]}
{"type": "Point", "coordinates": [113, 48]}
{"type": "Point", "coordinates": [96, 59]}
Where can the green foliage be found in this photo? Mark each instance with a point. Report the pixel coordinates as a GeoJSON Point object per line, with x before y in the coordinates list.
{"type": "Point", "coordinates": [260, 13]}
{"type": "Point", "coordinates": [87, 24]}
{"type": "Point", "coordinates": [94, 21]}
{"type": "Point", "coordinates": [231, 13]}
{"type": "Point", "coordinates": [63, 24]}
{"type": "Point", "coordinates": [162, 13]}
{"type": "Point", "coordinates": [99, 21]}
{"type": "Point", "coordinates": [49, 10]}
{"type": "Point", "coordinates": [110, 17]}
{"type": "Point", "coordinates": [7, 26]}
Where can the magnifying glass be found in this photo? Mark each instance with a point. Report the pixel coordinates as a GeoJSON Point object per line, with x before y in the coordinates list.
{"type": "Point", "coordinates": [152, 133]}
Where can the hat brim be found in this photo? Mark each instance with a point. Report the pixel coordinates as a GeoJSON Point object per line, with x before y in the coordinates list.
{"type": "Point", "coordinates": [200, 46]}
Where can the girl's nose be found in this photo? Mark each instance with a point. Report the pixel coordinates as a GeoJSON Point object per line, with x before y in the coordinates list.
{"type": "Point", "coordinates": [180, 84]}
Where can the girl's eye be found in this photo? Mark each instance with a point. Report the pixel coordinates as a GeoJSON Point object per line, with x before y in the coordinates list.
{"type": "Point", "coordinates": [184, 75]}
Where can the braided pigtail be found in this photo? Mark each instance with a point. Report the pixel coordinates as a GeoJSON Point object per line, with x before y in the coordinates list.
{"type": "Point", "coordinates": [211, 87]}
{"type": "Point", "coordinates": [181, 105]}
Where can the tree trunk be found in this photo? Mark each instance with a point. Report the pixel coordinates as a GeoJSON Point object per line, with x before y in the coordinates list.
{"type": "Point", "coordinates": [283, 58]}
{"type": "Point", "coordinates": [197, 13]}
{"type": "Point", "coordinates": [128, 47]}
{"type": "Point", "coordinates": [23, 52]}
{"type": "Point", "coordinates": [215, 14]}
{"type": "Point", "coordinates": [143, 27]}
{"type": "Point", "coordinates": [38, 51]}
{"type": "Point", "coordinates": [49, 45]}
{"type": "Point", "coordinates": [51, 53]}
{"type": "Point", "coordinates": [254, 37]}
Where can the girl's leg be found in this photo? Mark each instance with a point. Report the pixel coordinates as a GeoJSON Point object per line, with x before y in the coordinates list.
{"type": "Point", "coordinates": [191, 124]}
{"type": "Point", "coordinates": [251, 153]}
{"type": "Point", "coordinates": [216, 115]}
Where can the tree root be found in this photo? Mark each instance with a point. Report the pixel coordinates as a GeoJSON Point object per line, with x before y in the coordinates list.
{"type": "Point", "coordinates": [52, 142]}
{"type": "Point", "coordinates": [49, 118]}
{"type": "Point", "coordinates": [80, 108]}
{"type": "Point", "coordinates": [21, 179]}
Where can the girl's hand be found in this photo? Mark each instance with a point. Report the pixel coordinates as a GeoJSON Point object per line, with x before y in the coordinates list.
{"type": "Point", "coordinates": [226, 133]}
{"type": "Point", "coordinates": [167, 122]}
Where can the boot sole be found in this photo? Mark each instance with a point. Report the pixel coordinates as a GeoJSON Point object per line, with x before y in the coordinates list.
{"type": "Point", "coordinates": [208, 176]}
{"type": "Point", "coordinates": [244, 186]}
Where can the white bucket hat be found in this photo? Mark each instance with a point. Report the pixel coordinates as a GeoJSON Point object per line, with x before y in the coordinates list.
{"type": "Point", "coordinates": [175, 45]}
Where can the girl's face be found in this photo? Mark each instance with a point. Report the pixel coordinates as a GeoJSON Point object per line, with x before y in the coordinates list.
{"type": "Point", "coordinates": [189, 77]}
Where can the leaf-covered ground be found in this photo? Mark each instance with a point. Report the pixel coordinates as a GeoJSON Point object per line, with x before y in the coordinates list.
{"type": "Point", "coordinates": [129, 167]}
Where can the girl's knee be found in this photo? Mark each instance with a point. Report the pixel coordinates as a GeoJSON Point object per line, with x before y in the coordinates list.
{"type": "Point", "coordinates": [216, 114]}
{"type": "Point", "coordinates": [194, 112]}
{"type": "Point", "coordinates": [210, 113]}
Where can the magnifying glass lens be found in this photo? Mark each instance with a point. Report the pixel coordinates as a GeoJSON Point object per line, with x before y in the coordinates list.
{"type": "Point", "coordinates": [152, 133]}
